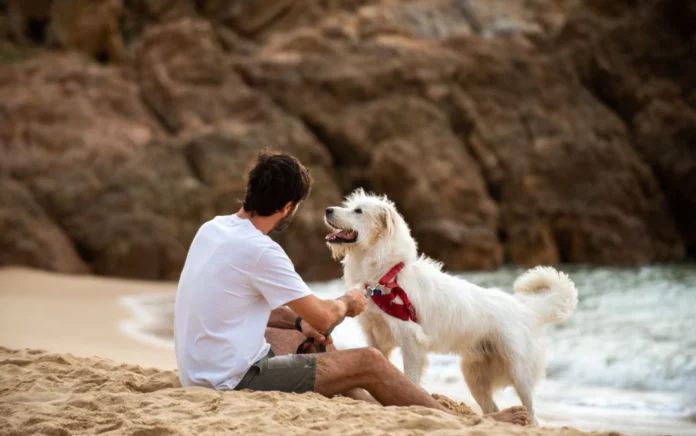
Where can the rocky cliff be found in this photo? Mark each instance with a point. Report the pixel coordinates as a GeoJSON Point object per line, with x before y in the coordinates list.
{"type": "Point", "coordinates": [523, 131]}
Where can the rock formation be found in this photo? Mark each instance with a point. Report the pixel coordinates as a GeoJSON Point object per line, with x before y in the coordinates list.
{"type": "Point", "coordinates": [505, 131]}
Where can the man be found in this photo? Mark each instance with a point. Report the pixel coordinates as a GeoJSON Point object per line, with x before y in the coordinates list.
{"type": "Point", "coordinates": [240, 300]}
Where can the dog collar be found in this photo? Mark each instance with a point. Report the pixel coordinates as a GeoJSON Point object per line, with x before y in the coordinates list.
{"type": "Point", "coordinates": [405, 311]}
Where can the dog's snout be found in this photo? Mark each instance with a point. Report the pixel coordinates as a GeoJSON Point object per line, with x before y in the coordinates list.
{"type": "Point", "coordinates": [329, 211]}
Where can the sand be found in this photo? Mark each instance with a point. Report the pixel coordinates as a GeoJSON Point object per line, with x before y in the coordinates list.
{"type": "Point", "coordinates": [60, 394]}
{"type": "Point", "coordinates": [97, 378]}
{"type": "Point", "coordinates": [83, 315]}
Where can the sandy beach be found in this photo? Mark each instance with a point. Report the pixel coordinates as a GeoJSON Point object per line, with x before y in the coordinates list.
{"type": "Point", "coordinates": [50, 393]}
{"type": "Point", "coordinates": [508, 134]}
{"type": "Point", "coordinates": [98, 379]}
{"type": "Point", "coordinates": [82, 315]}
{"type": "Point", "coordinates": [99, 375]}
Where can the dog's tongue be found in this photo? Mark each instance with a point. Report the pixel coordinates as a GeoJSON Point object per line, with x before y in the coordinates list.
{"type": "Point", "coordinates": [343, 234]}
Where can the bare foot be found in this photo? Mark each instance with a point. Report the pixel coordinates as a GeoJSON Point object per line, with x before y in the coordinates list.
{"type": "Point", "coordinates": [514, 415]}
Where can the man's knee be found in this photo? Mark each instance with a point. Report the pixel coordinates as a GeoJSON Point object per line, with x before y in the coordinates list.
{"type": "Point", "coordinates": [373, 355]}
{"type": "Point", "coordinates": [373, 363]}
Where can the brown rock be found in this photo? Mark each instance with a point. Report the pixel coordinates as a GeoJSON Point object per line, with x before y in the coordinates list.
{"type": "Point", "coordinates": [194, 86]}
{"type": "Point", "coordinates": [527, 16]}
{"type": "Point", "coordinates": [533, 129]}
{"type": "Point", "coordinates": [537, 143]}
{"type": "Point", "coordinates": [64, 119]}
{"type": "Point", "coordinates": [91, 27]}
{"type": "Point", "coordinates": [363, 20]}
{"type": "Point", "coordinates": [29, 237]}
{"type": "Point", "coordinates": [644, 69]}
{"type": "Point", "coordinates": [395, 143]}
{"type": "Point", "coordinates": [137, 218]}
{"type": "Point", "coordinates": [28, 20]}
{"type": "Point", "coordinates": [425, 169]}
{"type": "Point", "coordinates": [129, 219]}
{"type": "Point", "coordinates": [497, 141]}
{"type": "Point", "coordinates": [138, 14]}
{"type": "Point", "coordinates": [439, 19]}
{"type": "Point", "coordinates": [261, 18]}
{"type": "Point", "coordinates": [62, 111]}
{"type": "Point", "coordinates": [189, 81]}
{"type": "Point", "coordinates": [131, 202]}
{"type": "Point", "coordinates": [420, 19]}
{"type": "Point", "coordinates": [589, 19]}
{"type": "Point", "coordinates": [160, 11]}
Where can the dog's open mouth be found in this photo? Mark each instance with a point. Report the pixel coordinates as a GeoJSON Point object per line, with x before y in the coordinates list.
{"type": "Point", "coordinates": [342, 236]}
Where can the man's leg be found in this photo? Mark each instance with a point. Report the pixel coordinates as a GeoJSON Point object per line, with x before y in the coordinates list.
{"type": "Point", "coordinates": [286, 342]}
{"type": "Point", "coordinates": [347, 371]}
{"type": "Point", "coordinates": [367, 368]}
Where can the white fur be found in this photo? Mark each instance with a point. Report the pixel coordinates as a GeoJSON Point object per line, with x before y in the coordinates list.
{"type": "Point", "coordinates": [496, 334]}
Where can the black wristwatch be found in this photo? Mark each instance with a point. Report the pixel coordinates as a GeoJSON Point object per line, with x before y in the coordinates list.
{"type": "Point", "coordinates": [298, 324]}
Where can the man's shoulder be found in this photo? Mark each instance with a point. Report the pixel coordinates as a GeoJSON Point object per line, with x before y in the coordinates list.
{"type": "Point", "coordinates": [228, 231]}
{"type": "Point", "coordinates": [271, 247]}
{"type": "Point", "coordinates": [272, 253]}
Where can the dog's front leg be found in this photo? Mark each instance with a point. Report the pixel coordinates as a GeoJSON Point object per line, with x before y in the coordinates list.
{"type": "Point", "coordinates": [415, 358]}
{"type": "Point", "coordinates": [377, 332]}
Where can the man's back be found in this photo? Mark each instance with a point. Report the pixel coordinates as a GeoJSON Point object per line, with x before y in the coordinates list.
{"type": "Point", "coordinates": [233, 277]}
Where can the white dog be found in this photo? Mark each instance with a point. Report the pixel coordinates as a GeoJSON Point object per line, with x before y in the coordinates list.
{"type": "Point", "coordinates": [495, 333]}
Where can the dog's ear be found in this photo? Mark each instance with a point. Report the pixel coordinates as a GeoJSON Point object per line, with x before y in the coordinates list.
{"type": "Point", "coordinates": [387, 221]}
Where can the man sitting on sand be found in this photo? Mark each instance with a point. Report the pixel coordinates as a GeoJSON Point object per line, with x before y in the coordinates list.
{"type": "Point", "coordinates": [240, 302]}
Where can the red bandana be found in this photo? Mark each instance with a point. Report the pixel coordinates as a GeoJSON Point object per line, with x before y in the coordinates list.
{"type": "Point", "coordinates": [385, 302]}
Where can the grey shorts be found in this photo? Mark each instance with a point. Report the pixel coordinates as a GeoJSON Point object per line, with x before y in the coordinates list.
{"type": "Point", "coordinates": [288, 373]}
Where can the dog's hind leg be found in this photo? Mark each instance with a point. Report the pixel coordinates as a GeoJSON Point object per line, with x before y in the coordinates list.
{"type": "Point", "coordinates": [523, 380]}
{"type": "Point", "coordinates": [524, 391]}
{"type": "Point", "coordinates": [479, 373]}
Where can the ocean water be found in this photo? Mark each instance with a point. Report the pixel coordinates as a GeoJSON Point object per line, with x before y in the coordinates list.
{"type": "Point", "coordinates": [626, 360]}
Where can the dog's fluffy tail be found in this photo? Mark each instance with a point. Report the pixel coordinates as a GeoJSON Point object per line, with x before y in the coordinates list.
{"type": "Point", "coordinates": [550, 293]}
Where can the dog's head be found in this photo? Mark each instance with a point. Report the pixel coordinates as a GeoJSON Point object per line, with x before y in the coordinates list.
{"type": "Point", "coordinates": [366, 222]}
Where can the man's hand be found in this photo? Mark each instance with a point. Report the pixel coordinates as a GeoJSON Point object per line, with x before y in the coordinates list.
{"type": "Point", "coordinates": [325, 314]}
{"type": "Point", "coordinates": [356, 301]}
{"type": "Point", "coordinates": [311, 332]}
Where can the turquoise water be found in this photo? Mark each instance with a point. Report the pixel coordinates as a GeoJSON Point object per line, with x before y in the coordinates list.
{"type": "Point", "coordinates": [633, 329]}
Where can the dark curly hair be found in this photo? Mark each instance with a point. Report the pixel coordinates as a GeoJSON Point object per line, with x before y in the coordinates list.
{"type": "Point", "coordinates": [274, 180]}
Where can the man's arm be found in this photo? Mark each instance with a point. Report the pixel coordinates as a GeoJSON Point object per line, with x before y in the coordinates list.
{"type": "Point", "coordinates": [324, 314]}
{"type": "Point", "coordinates": [282, 318]}
{"type": "Point", "coordinates": [278, 282]}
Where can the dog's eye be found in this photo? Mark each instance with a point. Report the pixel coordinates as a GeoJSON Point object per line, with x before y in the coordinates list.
{"type": "Point", "coordinates": [358, 210]}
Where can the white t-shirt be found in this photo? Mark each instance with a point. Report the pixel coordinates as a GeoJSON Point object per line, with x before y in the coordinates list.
{"type": "Point", "coordinates": [233, 277]}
